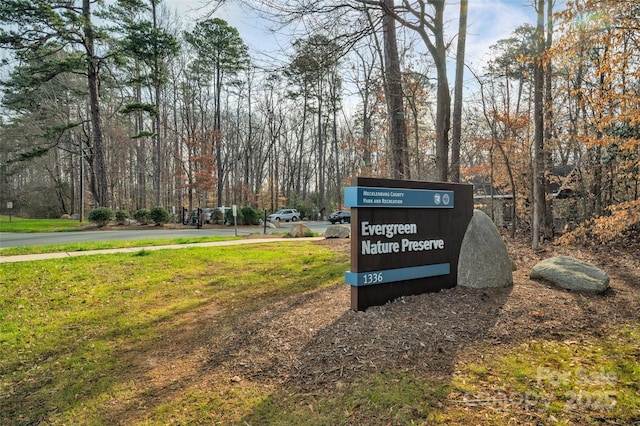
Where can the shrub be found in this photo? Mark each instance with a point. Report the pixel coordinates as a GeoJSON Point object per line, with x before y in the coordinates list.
{"type": "Point", "coordinates": [142, 216]}
{"type": "Point", "coordinates": [216, 216]}
{"type": "Point", "coordinates": [305, 208]}
{"type": "Point", "coordinates": [121, 217]}
{"type": "Point", "coordinates": [620, 225]}
{"type": "Point", "coordinates": [159, 215]}
{"type": "Point", "coordinates": [228, 216]}
{"type": "Point", "coordinates": [101, 216]}
{"type": "Point", "coordinates": [250, 216]}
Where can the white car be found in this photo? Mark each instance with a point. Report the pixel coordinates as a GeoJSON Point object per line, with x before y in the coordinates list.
{"type": "Point", "coordinates": [285, 215]}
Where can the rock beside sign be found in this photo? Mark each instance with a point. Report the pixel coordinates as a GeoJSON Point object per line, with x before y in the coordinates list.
{"type": "Point", "coordinates": [300, 230]}
{"type": "Point", "coordinates": [571, 274]}
{"type": "Point", "coordinates": [338, 231]}
{"type": "Point", "coordinates": [484, 261]}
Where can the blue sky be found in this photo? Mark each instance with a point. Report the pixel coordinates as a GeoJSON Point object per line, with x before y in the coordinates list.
{"type": "Point", "coordinates": [489, 21]}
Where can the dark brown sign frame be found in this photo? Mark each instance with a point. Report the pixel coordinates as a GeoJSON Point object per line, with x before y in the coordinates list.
{"type": "Point", "coordinates": [405, 237]}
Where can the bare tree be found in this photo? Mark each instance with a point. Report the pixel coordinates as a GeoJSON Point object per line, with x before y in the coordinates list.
{"type": "Point", "coordinates": [393, 94]}
{"type": "Point", "coordinates": [458, 88]}
{"type": "Point", "coordinates": [427, 20]}
{"type": "Point", "coordinates": [538, 147]}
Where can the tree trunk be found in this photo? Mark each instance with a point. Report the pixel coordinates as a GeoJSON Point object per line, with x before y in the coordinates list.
{"type": "Point", "coordinates": [393, 83]}
{"type": "Point", "coordinates": [457, 101]}
{"type": "Point", "coordinates": [321, 167]}
{"type": "Point", "coordinates": [217, 137]}
{"type": "Point", "coordinates": [443, 100]}
{"type": "Point", "coordinates": [548, 123]}
{"type": "Point", "coordinates": [99, 170]}
{"type": "Point", "coordinates": [158, 139]}
{"type": "Point", "coordinates": [538, 145]}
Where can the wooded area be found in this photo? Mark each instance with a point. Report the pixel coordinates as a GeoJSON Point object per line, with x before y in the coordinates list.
{"type": "Point", "coordinates": [117, 104]}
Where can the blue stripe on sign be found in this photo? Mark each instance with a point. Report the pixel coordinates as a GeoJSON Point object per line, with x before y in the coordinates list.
{"type": "Point", "coordinates": [358, 279]}
{"type": "Point", "coordinates": [364, 196]}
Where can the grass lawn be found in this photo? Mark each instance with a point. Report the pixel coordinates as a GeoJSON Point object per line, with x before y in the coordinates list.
{"type": "Point", "coordinates": [18, 224]}
{"type": "Point", "coordinates": [21, 225]}
{"type": "Point", "coordinates": [143, 338]}
{"type": "Point", "coordinates": [68, 324]}
{"type": "Point", "coordinates": [102, 245]}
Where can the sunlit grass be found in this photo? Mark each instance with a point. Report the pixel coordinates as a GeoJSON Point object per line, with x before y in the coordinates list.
{"type": "Point", "coordinates": [18, 224]}
{"type": "Point", "coordinates": [70, 328]}
{"type": "Point", "coordinates": [577, 381]}
{"type": "Point", "coordinates": [66, 322]}
{"type": "Point", "coordinates": [103, 245]}
{"type": "Point", "coordinates": [386, 398]}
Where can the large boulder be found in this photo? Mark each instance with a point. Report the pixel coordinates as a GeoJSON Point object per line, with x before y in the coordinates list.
{"type": "Point", "coordinates": [571, 274]}
{"type": "Point", "coordinates": [338, 231]}
{"type": "Point", "coordinates": [484, 261]}
{"type": "Point", "coordinates": [300, 230]}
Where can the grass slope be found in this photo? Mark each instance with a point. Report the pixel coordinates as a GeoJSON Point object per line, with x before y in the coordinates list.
{"type": "Point", "coordinates": [102, 340]}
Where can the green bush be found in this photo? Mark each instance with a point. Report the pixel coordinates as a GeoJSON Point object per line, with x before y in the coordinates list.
{"type": "Point", "coordinates": [250, 216]}
{"type": "Point", "coordinates": [121, 217]}
{"type": "Point", "coordinates": [305, 208]}
{"type": "Point", "coordinates": [216, 216]}
{"type": "Point", "coordinates": [101, 216]}
{"type": "Point", "coordinates": [159, 215]}
{"type": "Point", "coordinates": [228, 216]}
{"type": "Point", "coordinates": [142, 216]}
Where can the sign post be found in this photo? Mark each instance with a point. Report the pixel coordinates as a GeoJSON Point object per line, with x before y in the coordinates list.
{"type": "Point", "coordinates": [234, 210]}
{"type": "Point", "coordinates": [9, 207]}
{"type": "Point", "coordinates": [405, 237]}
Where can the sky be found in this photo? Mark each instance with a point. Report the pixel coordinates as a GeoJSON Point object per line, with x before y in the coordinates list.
{"type": "Point", "coordinates": [488, 22]}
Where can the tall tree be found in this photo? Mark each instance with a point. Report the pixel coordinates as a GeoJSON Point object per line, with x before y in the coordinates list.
{"type": "Point", "coordinates": [65, 36]}
{"type": "Point", "coordinates": [221, 52]}
{"type": "Point", "coordinates": [538, 117]}
{"type": "Point", "coordinates": [428, 23]}
{"type": "Point", "coordinates": [149, 44]}
{"type": "Point", "coordinates": [313, 68]}
{"type": "Point", "coordinates": [393, 94]}
{"type": "Point", "coordinates": [548, 124]}
{"type": "Point", "coordinates": [598, 49]}
{"type": "Point", "coordinates": [458, 89]}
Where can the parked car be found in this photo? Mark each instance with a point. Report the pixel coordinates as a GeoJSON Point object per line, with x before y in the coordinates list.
{"type": "Point", "coordinates": [216, 214]}
{"type": "Point", "coordinates": [285, 215]}
{"type": "Point", "coordinates": [341, 216]}
{"type": "Point", "coordinates": [206, 213]}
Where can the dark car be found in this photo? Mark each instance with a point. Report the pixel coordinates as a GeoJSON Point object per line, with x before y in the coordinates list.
{"type": "Point", "coordinates": [341, 216]}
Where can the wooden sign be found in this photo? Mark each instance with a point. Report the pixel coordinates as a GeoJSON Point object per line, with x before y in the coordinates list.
{"type": "Point", "coordinates": [405, 237]}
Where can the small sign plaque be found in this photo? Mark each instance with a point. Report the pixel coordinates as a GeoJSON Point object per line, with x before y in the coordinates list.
{"type": "Point", "coordinates": [362, 196]}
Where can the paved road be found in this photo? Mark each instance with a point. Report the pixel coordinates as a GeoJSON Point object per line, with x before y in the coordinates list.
{"type": "Point", "coordinates": [8, 239]}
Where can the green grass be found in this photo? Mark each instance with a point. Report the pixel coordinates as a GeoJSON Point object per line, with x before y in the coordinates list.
{"type": "Point", "coordinates": [68, 325]}
{"type": "Point", "coordinates": [79, 336]}
{"type": "Point", "coordinates": [102, 245]}
{"type": "Point", "coordinates": [582, 381]}
{"type": "Point", "coordinates": [385, 398]}
{"type": "Point", "coordinates": [18, 224]}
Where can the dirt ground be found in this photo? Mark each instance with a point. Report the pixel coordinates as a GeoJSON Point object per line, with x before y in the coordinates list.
{"type": "Point", "coordinates": [313, 342]}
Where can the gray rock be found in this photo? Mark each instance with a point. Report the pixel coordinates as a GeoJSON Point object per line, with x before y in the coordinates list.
{"type": "Point", "coordinates": [571, 274]}
{"type": "Point", "coordinates": [484, 261]}
{"type": "Point", "coordinates": [271, 225]}
{"type": "Point", "coordinates": [299, 230]}
{"type": "Point", "coordinates": [338, 231]}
